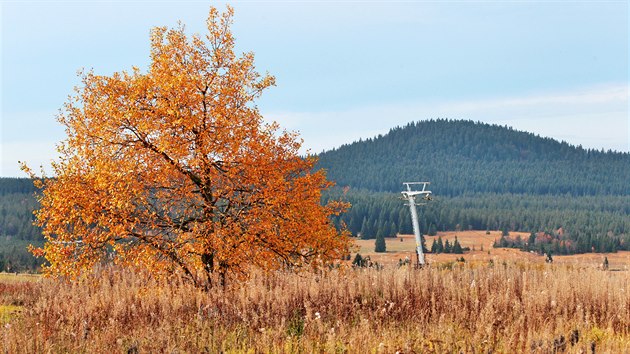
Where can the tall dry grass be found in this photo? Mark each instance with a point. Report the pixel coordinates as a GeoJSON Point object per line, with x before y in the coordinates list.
{"type": "Point", "coordinates": [500, 308]}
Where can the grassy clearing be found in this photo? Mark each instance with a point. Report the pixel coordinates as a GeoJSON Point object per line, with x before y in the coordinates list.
{"type": "Point", "coordinates": [18, 277]}
{"type": "Point", "coordinates": [482, 251]}
{"type": "Point", "coordinates": [511, 307]}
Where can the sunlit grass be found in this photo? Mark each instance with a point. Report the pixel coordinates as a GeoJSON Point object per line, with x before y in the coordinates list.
{"type": "Point", "coordinates": [465, 307]}
{"type": "Point", "coordinates": [18, 277]}
{"type": "Point", "coordinates": [7, 312]}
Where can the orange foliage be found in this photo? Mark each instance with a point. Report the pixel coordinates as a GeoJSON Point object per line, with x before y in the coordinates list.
{"type": "Point", "coordinates": [176, 170]}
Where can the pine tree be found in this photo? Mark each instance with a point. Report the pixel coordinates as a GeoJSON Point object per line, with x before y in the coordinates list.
{"type": "Point", "coordinates": [457, 248]}
{"type": "Point", "coordinates": [365, 230]}
{"type": "Point", "coordinates": [379, 244]}
{"type": "Point", "coordinates": [434, 246]}
{"type": "Point", "coordinates": [440, 245]}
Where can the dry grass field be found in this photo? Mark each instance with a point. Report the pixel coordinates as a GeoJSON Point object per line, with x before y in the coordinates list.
{"type": "Point", "coordinates": [515, 304]}
{"type": "Point", "coordinates": [480, 244]}
{"type": "Point", "coordinates": [15, 291]}
{"type": "Point", "coordinates": [504, 307]}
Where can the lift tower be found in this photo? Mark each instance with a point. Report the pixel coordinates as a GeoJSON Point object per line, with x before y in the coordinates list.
{"type": "Point", "coordinates": [410, 195]}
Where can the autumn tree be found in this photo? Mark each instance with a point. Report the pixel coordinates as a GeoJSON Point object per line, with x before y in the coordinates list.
{"type": "Point", "coordinates": [175, 169]}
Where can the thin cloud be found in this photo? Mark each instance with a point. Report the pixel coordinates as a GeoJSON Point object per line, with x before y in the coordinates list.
{"type": "Point", "coordinates": [595, 117]}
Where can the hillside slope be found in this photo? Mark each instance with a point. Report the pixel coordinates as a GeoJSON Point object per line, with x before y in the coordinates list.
{"type": "Point", "coordinates": [485, 177]}
{"type": "Point", "coordinates": [460, 157]}
{"type": "Point", "coordinates": [17, 203]}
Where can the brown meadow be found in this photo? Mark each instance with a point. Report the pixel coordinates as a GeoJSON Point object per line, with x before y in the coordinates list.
{"type": "Point", "coordinates": [461, 307]}
{"type": "Point", "coordinates": [480, 244]}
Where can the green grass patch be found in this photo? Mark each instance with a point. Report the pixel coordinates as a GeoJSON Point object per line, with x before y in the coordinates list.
{"type": "Point", "coordinates": [8, 312]}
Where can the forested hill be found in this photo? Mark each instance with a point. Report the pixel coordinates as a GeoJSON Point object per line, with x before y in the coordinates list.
{"type": "Point", "coordinates": [17, 203]}
{"type": "Point", "coordinates": [16, 186]}
{"type": "Point", "coordinates": [461, 157]}
{"type": "Point", "coordinates": [483, 177]}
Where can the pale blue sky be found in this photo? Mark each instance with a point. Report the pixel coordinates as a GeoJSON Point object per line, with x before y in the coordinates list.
{"type": "Point", "coordinates": [344, 70]}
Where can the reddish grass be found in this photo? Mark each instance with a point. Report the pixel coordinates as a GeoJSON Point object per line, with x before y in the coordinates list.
{"type": "Point", "coordinates": [511, 307]}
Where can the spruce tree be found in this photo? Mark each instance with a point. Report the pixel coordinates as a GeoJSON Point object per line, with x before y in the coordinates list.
{"type": "Point", "coordinates": [447, 247]}
{"type": "Point", "coordinates": [379, 244]}
{"type": "Point", "coordinates": [440, 245]}
{"type": "Point", "coordinates": [457, 248]}
{"type": "Point", "coordinates": [365, 230]}
{"type": "Point", "coordinates": [434, 246]}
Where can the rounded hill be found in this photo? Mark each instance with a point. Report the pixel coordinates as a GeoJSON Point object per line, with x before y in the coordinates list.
{"type": "Point", "coordinates": [461, 157]}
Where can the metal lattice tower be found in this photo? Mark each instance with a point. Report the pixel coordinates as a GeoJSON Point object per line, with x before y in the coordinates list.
{"type": "Point", "coordinates": [410, 196]}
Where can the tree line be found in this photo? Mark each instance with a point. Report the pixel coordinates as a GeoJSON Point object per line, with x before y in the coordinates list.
{"type": "Point", "coordinates": [17, 231]}
{"type": "Point", "coordinates": [590, 223]}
